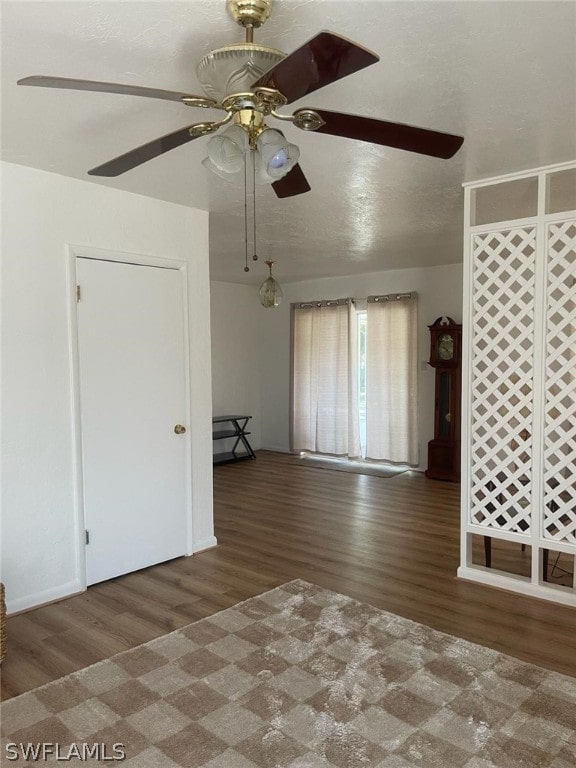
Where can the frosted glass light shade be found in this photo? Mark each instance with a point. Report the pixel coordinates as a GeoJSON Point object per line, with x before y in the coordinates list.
{"type": "Point", "coordinates": [238, 176]}
{"type": "Point", "coordinates": [261, 177]}
{"type": "Point", "coordinates": [270, 293]}
{"type": "Point", "coordinates": [278, 155]}
{"type": "Point", "coordinates": [235, 68]}
{"type": "Point", "coordinates": [227, 150]}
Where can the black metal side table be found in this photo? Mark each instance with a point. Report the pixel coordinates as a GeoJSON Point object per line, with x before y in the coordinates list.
{"type": "Point", "coordinates": [236, 431]}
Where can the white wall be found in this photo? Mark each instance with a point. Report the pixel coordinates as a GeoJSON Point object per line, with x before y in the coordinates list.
{"type": "Point", "coordinates": [236, 313]}
{"type": "Point", "coordinates": [439, 293]}
{"type": "Point", "coordinates": [41, 213]}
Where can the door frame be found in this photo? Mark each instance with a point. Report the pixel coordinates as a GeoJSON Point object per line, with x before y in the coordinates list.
{"type": "Point", "coordinates": [73, 253]}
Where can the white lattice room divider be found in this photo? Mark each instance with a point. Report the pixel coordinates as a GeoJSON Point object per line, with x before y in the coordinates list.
{"type": "Point", "coordinates": [560, 421]}
{"type": "Point", "coordinates": [519, 384]}
{"type": "Point", "coordinates": [502, 352]}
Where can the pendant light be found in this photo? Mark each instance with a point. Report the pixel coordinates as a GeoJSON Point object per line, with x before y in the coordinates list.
{"type": "Point", "coordinates": [270, 291]}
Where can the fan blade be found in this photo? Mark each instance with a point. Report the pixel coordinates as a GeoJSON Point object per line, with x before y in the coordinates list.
{"type": "Point", "coordinates": [142, 154]}
{"type": "Point", "coordinates": [322, 60]}
{"type": "Point", "coordinates": [294, 183]}
{"type": "Point", "coordinates": [397, 135]}
{"type": "Point", "coordinates": [128, 90]}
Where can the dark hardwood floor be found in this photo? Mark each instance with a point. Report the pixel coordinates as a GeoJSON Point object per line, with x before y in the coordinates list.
{"type": "Point", "coordinates": [392, 542]}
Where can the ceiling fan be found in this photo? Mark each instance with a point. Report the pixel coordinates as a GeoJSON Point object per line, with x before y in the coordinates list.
{"type": "Point", "coordinates": [250, 83]}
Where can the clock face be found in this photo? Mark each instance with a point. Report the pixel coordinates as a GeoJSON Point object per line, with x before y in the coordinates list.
{"type": "Point", "coordinates": [446, 347]}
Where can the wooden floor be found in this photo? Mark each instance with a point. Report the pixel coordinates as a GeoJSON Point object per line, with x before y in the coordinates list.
{"type": "Point", "coordinates": [390, 542]}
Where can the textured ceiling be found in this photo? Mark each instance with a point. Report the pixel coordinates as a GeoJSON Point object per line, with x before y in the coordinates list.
{"type": "Point", "coordinates": [502, 74]}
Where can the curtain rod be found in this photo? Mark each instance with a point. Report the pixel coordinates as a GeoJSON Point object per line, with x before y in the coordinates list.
{"type": "Point", "coordinates": [391, 297]}
{"type": "Point", "coordinates": [323, 303]}
{"type": "Point", "coordinates": [341, 302]}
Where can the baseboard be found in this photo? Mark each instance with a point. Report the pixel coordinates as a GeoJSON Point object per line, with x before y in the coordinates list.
{"type": "Point", "coordinates": [274, 449]}
{"type": "Point", "coordinates": [513, 583]}
{"type": "Point", "coordinates": [22, 604]}
{"type": "Point", "coordinates": [200, 546]}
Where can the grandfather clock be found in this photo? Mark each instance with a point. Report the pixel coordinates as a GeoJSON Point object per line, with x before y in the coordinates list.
{"type": "Point", "coordinates": [445, 356]}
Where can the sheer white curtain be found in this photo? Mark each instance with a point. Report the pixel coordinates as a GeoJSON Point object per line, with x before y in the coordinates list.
{"type": "Point", "coordinates": [392, 378]}
{"type": "Point", "coordinates": [324, 402]}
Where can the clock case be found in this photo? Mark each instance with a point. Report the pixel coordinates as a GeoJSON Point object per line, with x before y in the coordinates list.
{"type": "Point", "coordinates": [444, 449]}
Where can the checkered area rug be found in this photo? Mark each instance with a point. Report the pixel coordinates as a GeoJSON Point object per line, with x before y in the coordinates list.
{"type": "Point", "coordinates": [301, 677]}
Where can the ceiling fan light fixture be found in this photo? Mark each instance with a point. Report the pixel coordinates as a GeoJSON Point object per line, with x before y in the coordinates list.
{"type": "Point", "coordinates": [278, 155]}
{"type": "Point", "coordinates": [227, 150]}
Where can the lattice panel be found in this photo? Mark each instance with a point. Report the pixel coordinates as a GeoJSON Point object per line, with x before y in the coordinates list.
{"type": "Point", "coordinates": [502, 390]}
{"type": "Point", "coordinates": [560, 422]}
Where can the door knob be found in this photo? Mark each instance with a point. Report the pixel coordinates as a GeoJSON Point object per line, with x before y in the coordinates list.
{"type": "Point", "coordinates": [179, 429]}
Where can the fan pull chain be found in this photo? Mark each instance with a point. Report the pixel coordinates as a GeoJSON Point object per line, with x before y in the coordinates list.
{"type": "Point", "coordinates": [246, 267]}
{"type": "Point", "coordinates": [254, 257]}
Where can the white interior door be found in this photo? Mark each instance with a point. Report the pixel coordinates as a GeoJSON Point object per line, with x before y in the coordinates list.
{"type": "Point", "coordinates": [132, 395]}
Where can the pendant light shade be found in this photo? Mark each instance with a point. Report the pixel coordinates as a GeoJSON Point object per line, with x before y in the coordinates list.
{"type": "Point", "coordinates": [270, 291]}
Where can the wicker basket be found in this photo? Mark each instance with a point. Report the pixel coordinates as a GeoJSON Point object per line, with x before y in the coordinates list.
{"type": "Point", "coordinates": [2, 624]}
